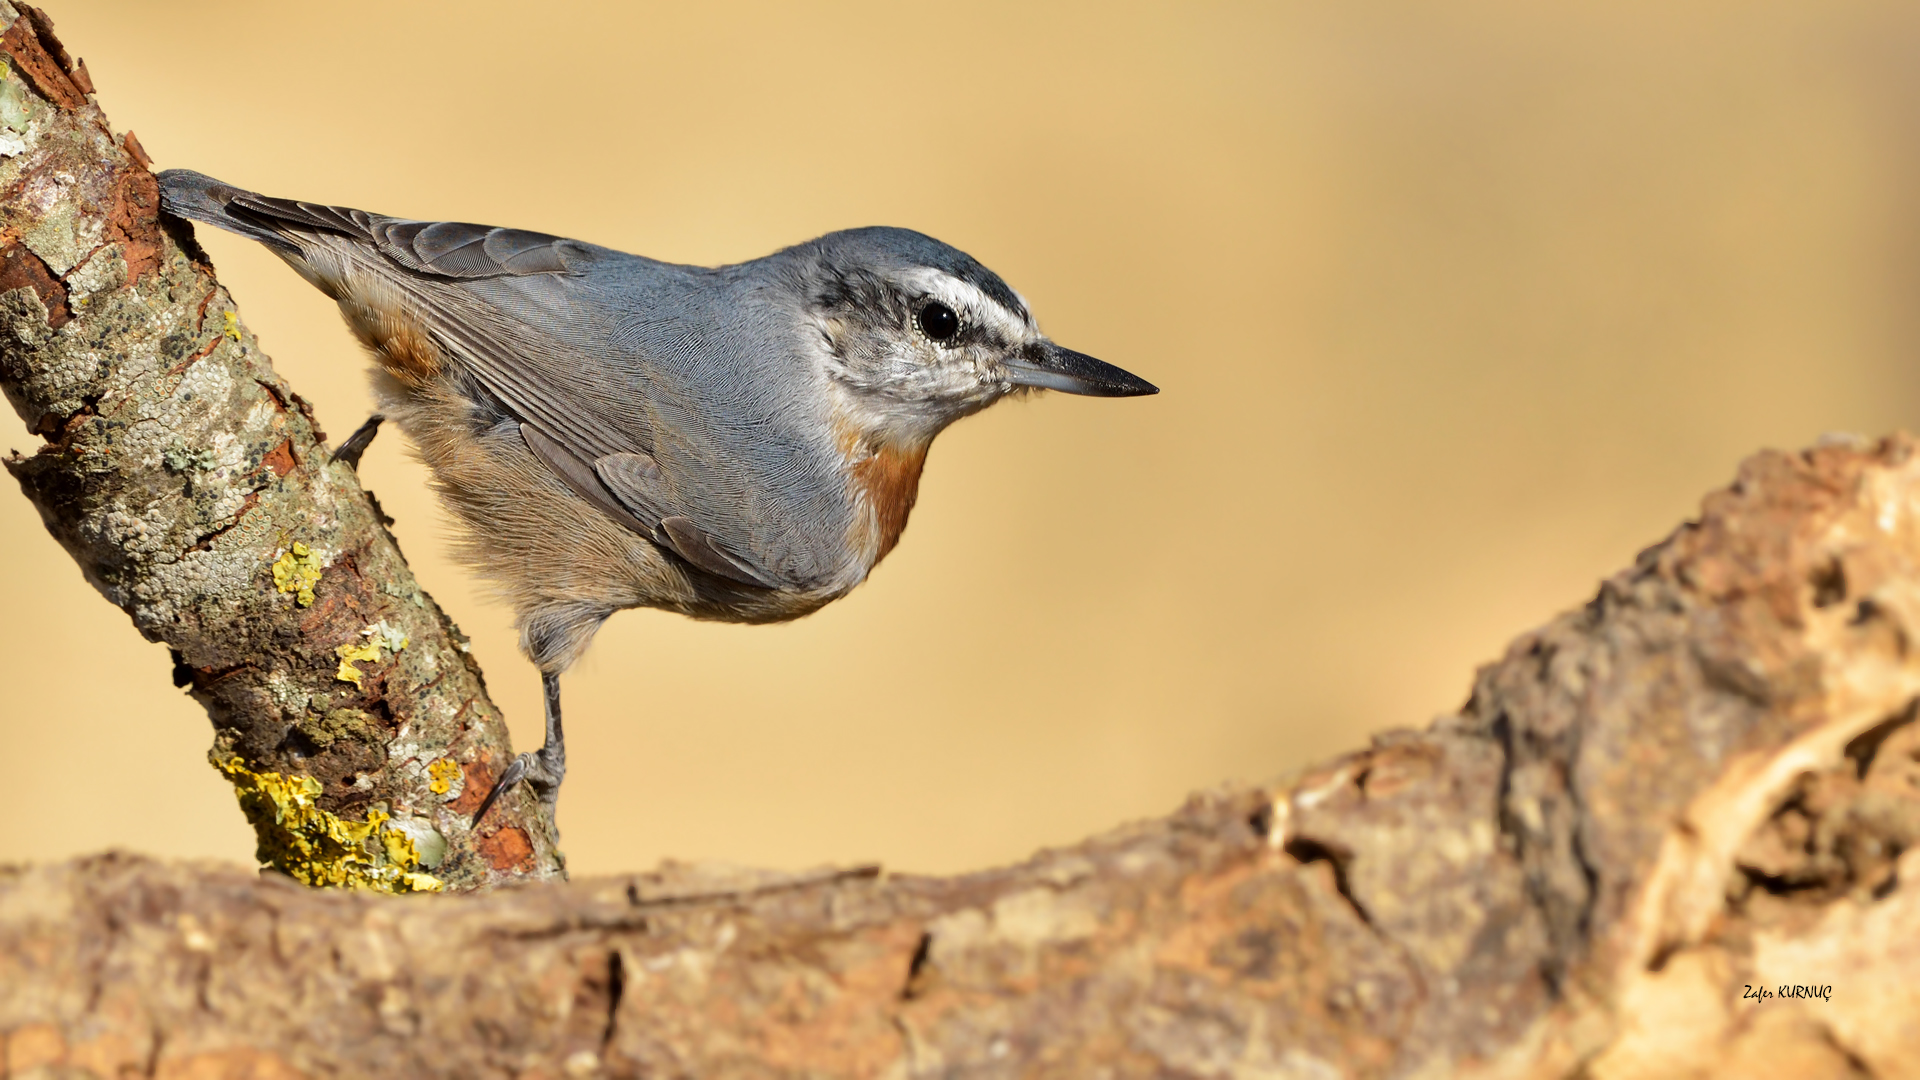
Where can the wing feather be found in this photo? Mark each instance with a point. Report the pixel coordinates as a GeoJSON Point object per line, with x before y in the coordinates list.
{"type": "Point", "coordinates": [576, 475]}
{"type": "Point", "coordinates": [628, 438]}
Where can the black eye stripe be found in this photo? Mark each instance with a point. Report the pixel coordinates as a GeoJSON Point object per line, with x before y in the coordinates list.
{"type": "Point", "coordinates": [938, 321]}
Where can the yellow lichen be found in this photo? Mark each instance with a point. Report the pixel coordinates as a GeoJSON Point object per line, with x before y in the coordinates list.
{"type": "Point", "coordinates": [233, 325]}
{"type": "Point", "coordinates": [379, 634]}
{"type": "Point", "coordinates": [297, 571]}
{"type": "Point", "coordinates": [350, 653]}
{"type": "Point", "coordinates": [317, 847]}
{"type": "Point", "coordinates": [399, 846]}
{"type": "Point", "coordinates": [443, 773]}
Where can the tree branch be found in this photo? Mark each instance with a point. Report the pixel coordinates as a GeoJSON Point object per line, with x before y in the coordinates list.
{"type": "Point", "coordinates": [1703, 785]}
{"type": "Point", "coordinates": [193, 488]}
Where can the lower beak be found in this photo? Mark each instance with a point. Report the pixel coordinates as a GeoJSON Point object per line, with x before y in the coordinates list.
{"type": "Point", "coordinates": [1050, 367]}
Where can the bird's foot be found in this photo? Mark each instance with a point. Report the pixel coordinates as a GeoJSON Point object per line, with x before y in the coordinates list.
{"type": "Point", "coordinates": [542, 770]}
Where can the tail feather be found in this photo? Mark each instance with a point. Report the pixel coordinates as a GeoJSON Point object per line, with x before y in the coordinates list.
{"type": "Point", "coordinates": [198, 197]}
{"type": "Point", "coordinates": [440, 249]}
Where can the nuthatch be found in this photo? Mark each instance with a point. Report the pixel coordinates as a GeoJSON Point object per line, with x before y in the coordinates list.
{"type": "Point", "coordinates": [739, 443]}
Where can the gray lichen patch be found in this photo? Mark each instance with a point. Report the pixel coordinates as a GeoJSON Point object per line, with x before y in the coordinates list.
{"type": "Point", "coordinates": [18, 133]}
{"type": "Point", "coordinates": [82, 365]}
{"type": "Point", "coordinates": [103, 270]}
{"type": "Point", "coordinates": [51, 214]}
{"type": "Point", "coordinates": [56, 204]}
{"type": "Point", "coordinates": [23, 325]}
{"type": "Point", "coordinates": [428, 842]}
{"type": "Point", "coordinates": [183, 459]}
{"type": "Point", "coordinates": [16, 105]}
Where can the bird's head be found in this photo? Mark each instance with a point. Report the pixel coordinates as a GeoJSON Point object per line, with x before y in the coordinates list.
{"type": "Point", "coordinates": [916, 334]}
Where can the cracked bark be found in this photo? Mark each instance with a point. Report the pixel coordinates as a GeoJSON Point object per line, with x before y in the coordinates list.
{"type": "Point", "coordinates": [187, 478]}
{"type": "Point", "coordinates": [1703, 782]}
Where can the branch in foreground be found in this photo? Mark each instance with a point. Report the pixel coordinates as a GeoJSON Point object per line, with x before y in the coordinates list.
{"type": "Point", "coordinates": [191, 485]}
{"type": "Point", "coordinates": [1702, 785]}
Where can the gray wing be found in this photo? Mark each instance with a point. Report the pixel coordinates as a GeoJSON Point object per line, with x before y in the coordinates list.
{"type": "Point", "coordinates": [724, 488]}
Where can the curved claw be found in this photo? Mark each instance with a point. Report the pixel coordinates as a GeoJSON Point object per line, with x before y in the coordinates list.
{"type": "Point", "coordinates": [515, 773]}
{"type": "Point", "coordinates": [357, 442]}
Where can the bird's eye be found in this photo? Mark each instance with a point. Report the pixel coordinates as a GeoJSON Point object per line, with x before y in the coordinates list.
{"type": "Point", "coordinates": [938, 321]}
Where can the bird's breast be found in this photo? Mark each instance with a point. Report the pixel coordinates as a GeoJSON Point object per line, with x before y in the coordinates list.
{"type": "Point", "coordinates": [885, 480]}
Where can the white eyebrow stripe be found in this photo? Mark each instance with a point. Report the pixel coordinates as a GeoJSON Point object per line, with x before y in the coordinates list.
{"type": "Point", "coordinates": [968, 300]}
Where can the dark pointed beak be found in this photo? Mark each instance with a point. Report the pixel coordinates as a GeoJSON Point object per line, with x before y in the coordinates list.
{"type": "Point", "coordinates": [1051, 367]}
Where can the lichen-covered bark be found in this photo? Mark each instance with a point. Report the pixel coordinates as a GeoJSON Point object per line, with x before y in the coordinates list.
{"type": "Point", "coordinates": [193, 488]}
{"type": "Point", "coordinates": [1701, 788]}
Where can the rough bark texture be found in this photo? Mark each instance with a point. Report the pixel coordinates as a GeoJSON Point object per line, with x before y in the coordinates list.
{"type": "Point", "coordinates": [1702, 786]}
{"type": "Point", "coordinates": [191, 485]}
{"type": "Point", "coordinates": [1673, 833]}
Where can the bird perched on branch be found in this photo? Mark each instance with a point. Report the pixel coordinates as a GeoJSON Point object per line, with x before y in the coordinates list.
{"type": "Point", "coordinates": [740, 443]}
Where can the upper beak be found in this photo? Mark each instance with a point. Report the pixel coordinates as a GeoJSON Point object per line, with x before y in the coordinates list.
{"type": "Point", "coordinates": [1051, 367]}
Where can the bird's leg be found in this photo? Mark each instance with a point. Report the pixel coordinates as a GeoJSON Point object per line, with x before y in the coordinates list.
{"type": "Point", "coordinates": [544, 768]}
{"type": "Point", "coordinates": [356, 443]}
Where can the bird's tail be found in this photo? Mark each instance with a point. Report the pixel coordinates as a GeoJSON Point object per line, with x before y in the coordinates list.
{"type": "Point", "coordinates": [198, 197]}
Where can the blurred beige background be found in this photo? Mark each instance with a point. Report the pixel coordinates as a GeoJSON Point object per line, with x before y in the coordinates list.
{"type": "Point", "coordinates": [1455, 307]}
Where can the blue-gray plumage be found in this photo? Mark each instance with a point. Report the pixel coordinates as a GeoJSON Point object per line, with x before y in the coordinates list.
{"type": "Point", "coordinates": [740, 442]}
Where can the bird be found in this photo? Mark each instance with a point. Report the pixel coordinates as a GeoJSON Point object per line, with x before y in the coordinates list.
{"type": "Point", "coordinates": [741, 443]}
